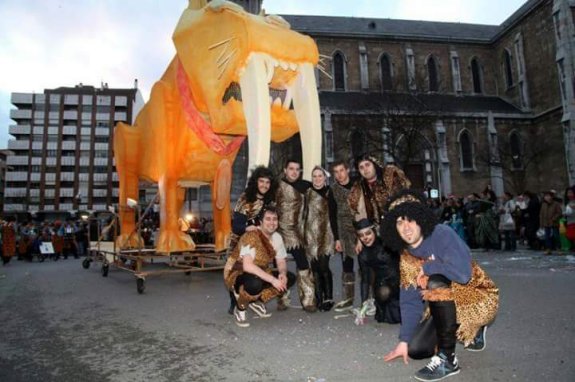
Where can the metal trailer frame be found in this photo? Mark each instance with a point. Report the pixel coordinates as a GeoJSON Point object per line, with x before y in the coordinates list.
{"type": "Point", "coordinates": [202, 258]}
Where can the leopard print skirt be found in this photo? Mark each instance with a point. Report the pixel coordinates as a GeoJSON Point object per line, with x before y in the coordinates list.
{"type": "Point", "coordinates": [476, 302]}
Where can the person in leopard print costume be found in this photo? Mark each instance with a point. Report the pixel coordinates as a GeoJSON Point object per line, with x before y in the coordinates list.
{"type": "Point", "coordinates": [435, 267]}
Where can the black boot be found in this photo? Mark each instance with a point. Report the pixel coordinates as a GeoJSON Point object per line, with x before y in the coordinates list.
{"type": "Point", "coordinates": [328, 292]}
{"type": "Point", "coordinates": [232, 303]}
{"type": "Point", "coordinates": [318, 283]}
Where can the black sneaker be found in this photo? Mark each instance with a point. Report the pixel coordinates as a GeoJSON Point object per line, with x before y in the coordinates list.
{"type": "Point", "coordinates": [438, 368]}
{"type": "Point", "coordinates": [259, 308]}
{"type": "Point", "coordinates": [479, 341]}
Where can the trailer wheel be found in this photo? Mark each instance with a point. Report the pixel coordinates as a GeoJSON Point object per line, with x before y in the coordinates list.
{"type": "Point", "coordinates": [105, 269]}
{"type": "Point", "coordinates": [140, 285]}
{"type": "Point", "coordinates": [86, 263]}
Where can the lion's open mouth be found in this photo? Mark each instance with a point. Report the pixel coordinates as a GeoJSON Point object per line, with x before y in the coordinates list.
{"type": "Point", "coordinates": [277, 96]}
{"type": "Point", "coordinates": [268, 85]}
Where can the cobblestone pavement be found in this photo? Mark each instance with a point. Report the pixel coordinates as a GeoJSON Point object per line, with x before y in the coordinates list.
{"type": "Point", "coordinates": [63, 323]}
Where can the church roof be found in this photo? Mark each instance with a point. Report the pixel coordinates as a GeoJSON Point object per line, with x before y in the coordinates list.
{"type": "Point", "coordinates": [362, 102]}
{"type": "Point", "coordinates": [405, 29]}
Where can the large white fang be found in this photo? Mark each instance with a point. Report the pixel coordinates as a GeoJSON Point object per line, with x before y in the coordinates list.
{"type": "Point", "coordinates": [289, 96]}
{"type": "Point", "coordinates": [306, 107]}
{"type": "Point", "coordinates": [255, 102]}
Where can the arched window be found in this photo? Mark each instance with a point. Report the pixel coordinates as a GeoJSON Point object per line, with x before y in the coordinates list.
{"type": "Point", "coordinates": [477, 76]}
{"type": "Point", "coordinates": [432, 74]}
{"type": "Point", "coordinates": [357, 141]}
{"type": "Point", "coordinates": [507, 68]}
{"type": "Point", "coordinates": [338, 63]}
{"type": "Point", "coordinates": [385, 72]}
{"type": "Point", "coordinates": [515, 149]}
{"type": "Point", "coordinates": [466, 150]}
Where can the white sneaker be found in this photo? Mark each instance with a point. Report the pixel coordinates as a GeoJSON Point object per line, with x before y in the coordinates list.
{"type": "Point", "coordinates": [240, 316]}
{"type": "Point", "coordinates": [369, 307]}
{"type": "Point", "coordinates": [259, 308]}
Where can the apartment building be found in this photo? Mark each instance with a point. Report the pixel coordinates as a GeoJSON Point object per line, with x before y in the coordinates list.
{"type": "Point", "coordinates": [63, 147]}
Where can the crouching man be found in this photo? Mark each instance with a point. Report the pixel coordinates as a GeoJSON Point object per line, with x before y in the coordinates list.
{"type": "Point", "coordinates": [248, 274]}
{"type": "Point", "coordinates": [436, 267]}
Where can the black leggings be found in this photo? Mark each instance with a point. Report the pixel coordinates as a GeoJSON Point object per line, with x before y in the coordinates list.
{"type": "Point", "coordinates": [440, 329]}
{"type": "Point", "coordinates": [300, 258]}
{"type": "Point", "coordinates": [347, 263]}
{"type": "Point", "coordinates": [253, 285]}
{"type": "Point", "coordinates": [320, 265]}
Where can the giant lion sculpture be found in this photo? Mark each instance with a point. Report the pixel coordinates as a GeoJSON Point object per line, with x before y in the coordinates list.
{"type": "Point", "coordinates": [235, 75]}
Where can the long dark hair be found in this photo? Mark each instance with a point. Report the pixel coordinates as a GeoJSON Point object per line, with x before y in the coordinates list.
{"type": "Point", "coordinates": [252, 187]}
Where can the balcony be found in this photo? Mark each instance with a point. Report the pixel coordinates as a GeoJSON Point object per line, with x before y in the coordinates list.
{"type": "Point", "coordinates": [69, 130]}
{"type": "Point", "coordinates": [71, 99]}
{"type": "Point", "coordinates": [34, 193]}
{"type": "Point", "coordinates": [51, 178]}
{"type": "Point", "coordinates": [71, 114]}
{"type": "Point", "coordinates": [83, 178]}
{"type": "Point", "coordinates": [35, 177]}
{"type": "Point", "coordinates": [17, 160]}
{"type": "Point", "coordinates": [16, 176]}
{"type": "Point", "coordinates": [21, 98]}
{"type": "Point", "coordinates": [68, 161]}
{"type": "Point", "coordinates": [14, 207]}
{"type": "Point", "coordinates": [19, 129]}
{"type": "Point", "coordinates": [120, 116]}
{"type": "Point", "coordinates": [50, 161]}
{"type": "Point", "coordinates": [100, 161]}
{"type": "Point", "coordinates": [49, 192]}
{"type": "Point", "coordinates": [102, 132]}
{"type": "Point", "coordinates": [67, 177]}
{"type": "Point", "coordinates": [20, 144]}
{"type": "Point", "coordinates": [101, 146]}
{"type": "Point", "coordinates": [68, 145]}
{"type": "Point", "coordinates": [66, 206]}
{"type": "Point", "coordinates": [17, 114]}
{"type": "Point", "coordinates": [37, 146]}
{"type": "Point", "coordinates": [67, 192]}
{"type": "Point", "coordinates": [100, 193]}
{"type": "Point", "coordinates": [15, 192]}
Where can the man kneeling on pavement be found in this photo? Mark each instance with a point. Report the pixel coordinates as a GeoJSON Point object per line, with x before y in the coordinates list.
{"type": "Point", "coordinates": [248, 274]}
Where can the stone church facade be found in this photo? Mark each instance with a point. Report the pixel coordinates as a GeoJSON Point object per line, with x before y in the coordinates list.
{"type": "Point", "coordinates": [458, 106]}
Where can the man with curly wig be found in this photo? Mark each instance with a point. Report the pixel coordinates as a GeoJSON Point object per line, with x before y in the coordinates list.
{"type": "Point", "coordinates": [259, 193]}
{"type": "Point", "coordinates": [435, 267]}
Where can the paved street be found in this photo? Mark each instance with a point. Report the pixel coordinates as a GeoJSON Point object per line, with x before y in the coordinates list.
{"type": "Point", "coordinates": [64, 323]}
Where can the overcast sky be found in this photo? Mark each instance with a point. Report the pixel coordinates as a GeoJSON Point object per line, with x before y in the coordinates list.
{"type": "Point", "coordinates": [52, 43]}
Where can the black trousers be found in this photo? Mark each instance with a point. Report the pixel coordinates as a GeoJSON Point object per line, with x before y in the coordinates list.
{"type": "Point", "coordinates": [300, 258]}
{"type": "Point", "coordinates": [440, 329]}
{"type": "Point", "coordinates": [254, 285]}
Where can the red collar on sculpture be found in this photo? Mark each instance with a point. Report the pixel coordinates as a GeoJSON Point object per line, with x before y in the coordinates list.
{"type": "Point", "coordinates": [197, 124]}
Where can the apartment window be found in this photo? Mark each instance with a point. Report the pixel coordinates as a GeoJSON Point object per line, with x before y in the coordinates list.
{"type": "Point", "coordinates": [507, 68]}
{"type": "Point", "coordinates": [466, 150]}
{"type": "Point", "coordinates": [338, 71]}
{"type": "Point", "coordinates": [476, 76]}
{"type": "Point", "coordinates": [432, 74]}
{"type": "Point", "coordinates": [385, 72]}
